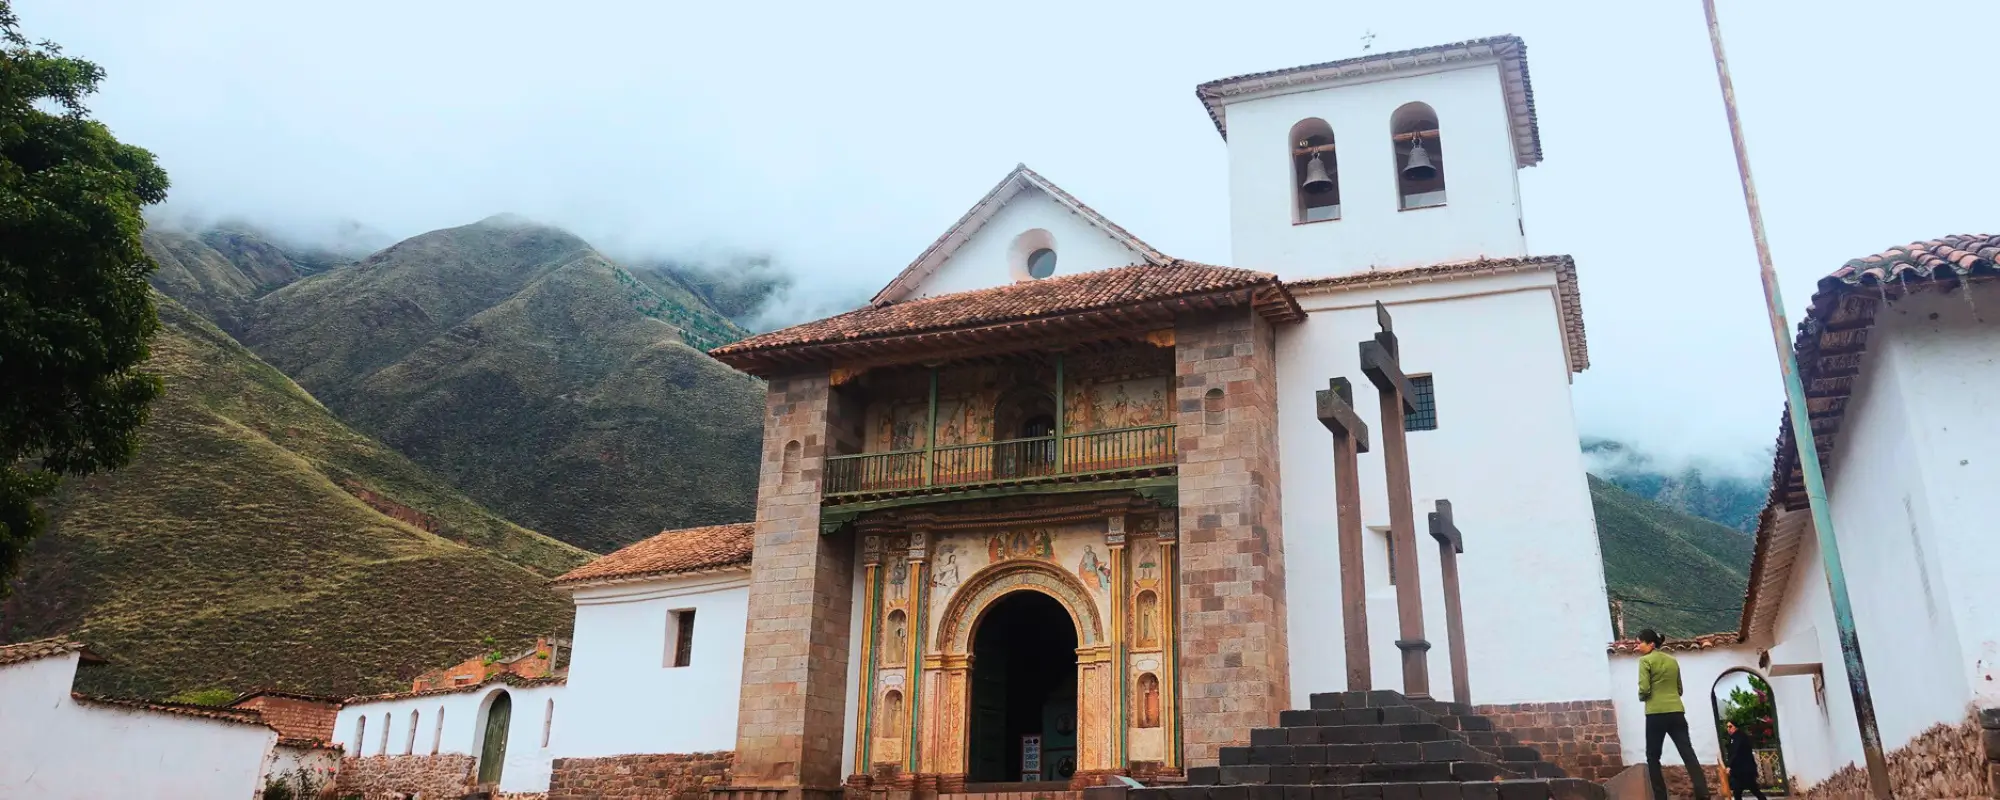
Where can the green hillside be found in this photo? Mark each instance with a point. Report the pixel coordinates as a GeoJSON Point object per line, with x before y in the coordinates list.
{"type": "Point", "coordinates": [1678, 573]}
{"type": "Point", "coordinates": [512, 359]}
{"type": "Point", "coordinates": [258, 542]}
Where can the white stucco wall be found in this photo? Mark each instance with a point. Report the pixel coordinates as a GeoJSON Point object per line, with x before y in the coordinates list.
{"type": "Point", "coordinates": [54, 747]}
{"type": "Point", "coordinates": [624, 698]}
{"type": "Point", "coordinates": [985, 261]}
{"type": "Point", "coordinates": [464, 729]}
{"type": "Point", "coordinates": [1505, 453]}
{"type": "Point", "coordinates": [1910, 486]}
{"type": "Point", "coordinates": [1700, 669]}
{"type": "Point", "coordinates": [1483, 212]}
{"type": "Point", "coordinates": [305, 770]}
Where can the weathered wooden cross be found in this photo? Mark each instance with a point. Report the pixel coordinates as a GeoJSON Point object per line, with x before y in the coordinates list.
{"type": "Point", "coordinates": [1379, 361]}
{"type": "Point", "coordinates": [1350, 438]}
{"type": "Point", "coordinates": [1445, 530]}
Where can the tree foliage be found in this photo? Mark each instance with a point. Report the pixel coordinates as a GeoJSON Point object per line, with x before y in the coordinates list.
{"type": "Point", "coordinates": [75, 310]}
{"type": "Point", "coordinates": [1752, 711]}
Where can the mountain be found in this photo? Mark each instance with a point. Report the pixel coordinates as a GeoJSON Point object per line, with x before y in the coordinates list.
{"type": "Point", "coordinates": [1678, 573]}
{"type": "Point", "coordinates": [547, 382]}
{"type": "Point", "coordinates": [1732, 501]}
{"type": "Point", "coordinates": [257, 541]}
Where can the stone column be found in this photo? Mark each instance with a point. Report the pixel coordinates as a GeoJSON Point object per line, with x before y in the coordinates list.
{"type": "Point", "coordinates": [871, 604]}
{"type": "Point", "coordinates": [1121, 650]}
{"type": "Point", "coordinates": [1170, 703]}
{"type": "Point", "coordinates": [1235, 665]}
{"type": "Point", "coordinates": [793, 699]}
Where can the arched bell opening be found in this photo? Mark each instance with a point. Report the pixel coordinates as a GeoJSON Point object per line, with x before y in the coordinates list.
{"type": "Point", "coordinates": [1419, 147]}
{"type": "Point", "coordinates": [1315, 172]}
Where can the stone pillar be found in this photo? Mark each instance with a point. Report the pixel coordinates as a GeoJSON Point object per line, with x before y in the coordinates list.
{"type": "Point", "coordinates": [1170, 703]}
{"type": "Point", "coordinates": [1234, 663]}
{"type": "Point", "coordinates": [795, 669]}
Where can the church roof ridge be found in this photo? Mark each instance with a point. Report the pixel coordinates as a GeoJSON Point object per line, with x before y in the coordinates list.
{"type": "Point", "coordinates": [46, 648]}
{"type": "Point", "coordinates": [1511, 52]}
{"type": "Point", "coordinates": [1569, 297]}
{"type": "Point", "coordinates": [977, 216]}
{"type": "Point", "coordinates": [682, 551]}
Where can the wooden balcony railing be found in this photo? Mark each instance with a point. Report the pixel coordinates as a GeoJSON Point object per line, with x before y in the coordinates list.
{"type": "Point", "coordinates": [1009, 460]}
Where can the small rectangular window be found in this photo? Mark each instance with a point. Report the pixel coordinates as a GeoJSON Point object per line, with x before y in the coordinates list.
{"type": "Point", "coordinates": [1425, 418]}
{"type": "Point", "coordinates": [680, 637]}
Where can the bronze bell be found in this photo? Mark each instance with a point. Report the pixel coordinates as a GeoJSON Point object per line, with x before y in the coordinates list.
{"type": "Point", "coordinates": [1316, 180]}
{"type": "Point", "coordinates": [1418, 167]}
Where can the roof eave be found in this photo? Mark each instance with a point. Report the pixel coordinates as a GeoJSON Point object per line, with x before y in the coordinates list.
{"type": "Point", "coordinates": [641, 577]}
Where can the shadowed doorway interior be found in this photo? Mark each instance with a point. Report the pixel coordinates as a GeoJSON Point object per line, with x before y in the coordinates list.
{"type": "Point", "coordinates": [1023, 692]}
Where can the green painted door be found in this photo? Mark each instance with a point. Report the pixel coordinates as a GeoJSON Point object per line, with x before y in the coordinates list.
{"type": "Point", "coordinates": [989, 750]}
{"type": "Point", "coordinates": [494, 754]}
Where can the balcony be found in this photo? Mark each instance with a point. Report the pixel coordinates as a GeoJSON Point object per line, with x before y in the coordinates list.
{"type": "Point", "coordinates": [1080, 456]}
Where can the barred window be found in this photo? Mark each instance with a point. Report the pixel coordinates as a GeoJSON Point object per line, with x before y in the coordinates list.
{"type": "Point", "coordinates": [1425, 418]}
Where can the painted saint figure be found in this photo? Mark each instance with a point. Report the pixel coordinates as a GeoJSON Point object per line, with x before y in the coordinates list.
{"type": "Point", "coordinates": [899, 577]}
{"type": "Point", "coordinates": [1090, 569]}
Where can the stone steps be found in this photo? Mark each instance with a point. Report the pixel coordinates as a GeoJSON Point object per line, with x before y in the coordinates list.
{"type": "Point", "coordinates": [1373, 746]}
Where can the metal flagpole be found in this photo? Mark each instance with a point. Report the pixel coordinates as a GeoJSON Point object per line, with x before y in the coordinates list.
{"type": "Point", "coordinates": [1802, 436]}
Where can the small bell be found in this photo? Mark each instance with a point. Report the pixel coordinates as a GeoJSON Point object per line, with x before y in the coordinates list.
{"type": "Point", "coordinates": [1418, 167]}
{"type": "Point", "coordinates": [1316, 180]}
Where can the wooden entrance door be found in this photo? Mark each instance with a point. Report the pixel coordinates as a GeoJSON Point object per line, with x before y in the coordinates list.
{"type": "Point", "coordinates": [493, 755]}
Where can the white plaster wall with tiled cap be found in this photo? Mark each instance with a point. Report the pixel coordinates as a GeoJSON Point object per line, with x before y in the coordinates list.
{"type": "Point", "coordinates": [986, 259]}
{"type": "Point", "coordinates": [624, 695]}
{"type": "Point", "coordinates": [1482, 215]}
{"type": "Point", "coordinates": [1700, 669]}
{"type": "Point", "coordinates": [1504, 452]}
{"type": "Point", "coordinates": [55, 748]}
{"type": "Point", "coordinates": [526, 767]}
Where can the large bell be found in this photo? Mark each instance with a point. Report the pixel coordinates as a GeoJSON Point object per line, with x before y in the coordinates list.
{"type": "Point", "coordinates": [1418, 167]}
{"type": "Point", "coordinates": [1316, 180]}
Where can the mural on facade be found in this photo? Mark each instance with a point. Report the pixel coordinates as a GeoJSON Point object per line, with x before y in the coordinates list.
{"type": "Point", "coordinates": [1146, 560]}
{"type": "Point", "coordinates": [1132, 403]}
{"type": "Point", "coordinates": [900, 427]}
{"type": "Point", "coordinates": [944, 575]}
{"type": "Point", "coordinates": [1093, 572]}
{"type": "Point", "coordinates": [1033, 543]}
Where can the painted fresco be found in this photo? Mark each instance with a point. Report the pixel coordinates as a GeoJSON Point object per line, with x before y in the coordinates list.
{"type": "Point", "coordinates": [898, 426]}
{"type": "Point", "coordinates": [960, 555]}
{"type": "Point", "coordinates": [1093, 406]}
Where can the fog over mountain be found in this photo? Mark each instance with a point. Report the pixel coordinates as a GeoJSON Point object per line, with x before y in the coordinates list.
{"type": "Point", "coordinates": [843, 141]}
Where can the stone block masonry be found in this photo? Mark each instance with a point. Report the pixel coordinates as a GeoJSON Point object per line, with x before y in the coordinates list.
{"type": "Point", "coordinates": [1580, 736]}
{"type": "Point", "coordinates": [1947, 761]}
{"type": "Point", "coordinates": [795, 669]}
{"type": "Point", "coordinates": [665, 776]}
{"type": "Point", "coordinates": [396, 777]}
{"type": "Point", "coordinates": [1234, 661]}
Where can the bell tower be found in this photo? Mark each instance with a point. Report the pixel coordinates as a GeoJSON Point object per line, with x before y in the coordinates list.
{"type": "Point", "coordinates": [1387, 160]}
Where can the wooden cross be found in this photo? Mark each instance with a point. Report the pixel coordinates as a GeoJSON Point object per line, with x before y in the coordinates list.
{"type": "Point", "coordinates": [1380, 362]}
{"type": "Point", "coordinates": [1350, 437]}
{"type": "Point", "coordinates": [1450, 543]}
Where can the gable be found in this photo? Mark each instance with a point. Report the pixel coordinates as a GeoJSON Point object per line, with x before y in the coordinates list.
{"type": "Point", "coordinates": [990, 245]}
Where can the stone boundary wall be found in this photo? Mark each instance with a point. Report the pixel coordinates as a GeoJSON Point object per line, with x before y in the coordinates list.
{"type": "Point", "coordinates": [1580, 736]}
{"type": "Point", "coordinates": [392, 777]}
{"type": "Point", "coordinates": [679, 776]}
{"type": "Point", "coordinates": [1947, 761]}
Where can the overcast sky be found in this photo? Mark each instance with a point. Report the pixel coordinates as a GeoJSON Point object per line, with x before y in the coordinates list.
{"type": "Point", "coordinates": [843, 138]}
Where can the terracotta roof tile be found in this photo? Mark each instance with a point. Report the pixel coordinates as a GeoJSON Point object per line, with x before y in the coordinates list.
{"type": "Point", "coordinates": [1702, 642]}
{"type": "Point", "coordinates": [507, 678]}
{"type": "Point", "coordinates": [240, 716]}
{"type": "Point", "coordinates": [1569, 297]}
{"type": "Point", "coordinates": [44, 648]}
{"type": "Point", "coordinates": [1052, 297]}
{"type": "Point", "coordinates": [672, 552]}
{"type": "Point", "coordinates": [1512, 52]}
{"type": "Point", "coordinates": [1830, 346]}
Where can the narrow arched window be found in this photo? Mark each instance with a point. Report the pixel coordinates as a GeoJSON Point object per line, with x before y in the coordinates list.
{"type": "Point", "coordinates": [1419, 156]}
{"type": "Point", "coordinates": [360, 732]}
{"type": "Point", "coordinates": [383, 748]}
{"type": "Point", "coordinates": [410, 745]}
{"type": "Point", "coordinates": [1315, 172]}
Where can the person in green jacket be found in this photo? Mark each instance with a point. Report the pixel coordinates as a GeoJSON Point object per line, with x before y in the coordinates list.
{"type": "Point", "coordinates": [1660, 690]}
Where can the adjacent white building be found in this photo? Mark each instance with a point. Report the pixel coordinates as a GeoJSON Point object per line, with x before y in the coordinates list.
{"type": "Point", "coordinates": [59, 745]}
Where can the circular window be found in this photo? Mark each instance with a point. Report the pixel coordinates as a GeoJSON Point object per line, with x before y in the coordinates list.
{"type": "Point", "coordinates": [1042, 263]}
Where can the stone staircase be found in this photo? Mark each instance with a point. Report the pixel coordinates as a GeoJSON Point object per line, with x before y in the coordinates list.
{"type": "Point", "coordinates": [1375, 745]}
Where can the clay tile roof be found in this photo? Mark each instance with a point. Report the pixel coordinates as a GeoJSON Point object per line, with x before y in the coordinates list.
{"type": "Point", "coordinates": [44, 648]}
{"type": "Point", "coordinates": [1083, 292]}
{"type": "Point", "coordinates": [240, 716]}
{"type": "Point", "coordinates": [1569, 297]}
{"type": "Point", "coordinates": [1830, 346]}
{"type": "Point", "coordinates": [1702, 642]}
{"type": "Point", "coordinates": [507, 678]}
{"type": "Point", "coordinates": [675, 552]}
{"type": "Point", "coordinates": [1510, 50]}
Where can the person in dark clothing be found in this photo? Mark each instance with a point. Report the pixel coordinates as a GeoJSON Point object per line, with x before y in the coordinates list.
{"type": "Point", "coordinates": [1660, 690]}
{"type": "Point", "coordinates": [1742, 765]}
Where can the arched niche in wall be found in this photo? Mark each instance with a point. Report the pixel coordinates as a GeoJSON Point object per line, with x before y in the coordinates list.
{"type": "Point", "coordinates": [1315, 172]}
{"type": "Point", "coordinates": [1419, 147]}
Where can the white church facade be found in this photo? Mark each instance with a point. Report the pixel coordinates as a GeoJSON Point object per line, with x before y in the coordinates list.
{"type": "Point", "coordinates": [1058, 508]}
